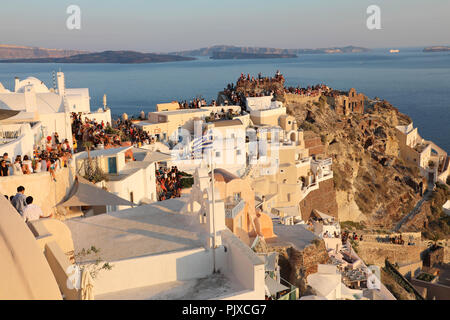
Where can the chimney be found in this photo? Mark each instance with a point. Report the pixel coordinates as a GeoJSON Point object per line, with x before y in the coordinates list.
{"type": "Point", "coordinates": [30, 99]}
{"type": "Point", "coordinates": [16, 84]}
{"type": "Point", "coordinates": [61, 83]}
{"type": "Point", "coordinates": [104, 102]}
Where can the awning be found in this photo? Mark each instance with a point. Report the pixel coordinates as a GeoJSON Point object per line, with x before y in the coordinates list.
{"type": "Point", "coordinates": [84, 193]}
{"type": "Point", "coordinates": [15, 116]}
{"type": "Point", "coordinates": [5, 114]}
{"type": "Point", "coordinates": [153, 156]}
{"type": "Point", "coordinates": [273, 287]}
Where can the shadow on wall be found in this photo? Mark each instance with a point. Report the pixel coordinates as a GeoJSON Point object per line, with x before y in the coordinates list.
{"type": "Point", "coordinates": [45, 192]}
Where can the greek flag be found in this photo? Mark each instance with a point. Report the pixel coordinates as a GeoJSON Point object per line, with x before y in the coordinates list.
{"type": "Point", "coordinates": [204, 142]}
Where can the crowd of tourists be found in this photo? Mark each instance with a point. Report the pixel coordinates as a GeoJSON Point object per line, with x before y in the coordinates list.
{"type": "Point", "coordinates": [246, 81]}
{"type": "Point", "coordinates": [311, 91]}
{"type": "Point", "coordinates": [168, 183]}
{"type": "Point", "coordinates": [24, 205]}
{"type": "Point", "coordinates": [260, 79]}
{"type": "Point", "coordinates": [397, 240]}
{"type": "Point", "coordinates": [134, 134]}
{"type": "Point", "coordinates": [55, 154]}
{"type": "Point", "coordinates": [352, 236]}
{"type": "Point", "coordinates": [91, 131]}
{"type": "Point", "coordinates": [195, 103]}
{"type": "Point", "coordinates": [102, 135]}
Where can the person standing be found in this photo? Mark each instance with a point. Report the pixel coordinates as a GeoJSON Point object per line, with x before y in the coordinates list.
{"type": "Point", "coordinates": [27, 165]}
{"type": "Point", "coordinates": [19, 200]}
{"type": "Point", "coordinates": [4, 169]}
{"type": "Point", "coordinates": [17, 166]}
{"type": "Point", "coordinates": [8, 162]}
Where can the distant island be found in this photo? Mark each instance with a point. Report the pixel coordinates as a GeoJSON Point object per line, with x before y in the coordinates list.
{"type": "Point", "coordinates": [209, 51]}
{"type": "Point", "coordinates": [437, 49]}
{"type": "Point", "coordinates": [244, 55]}
{"type": "Point", "coordinates": [106, 57]}
{"type": "Point", "coordinates": [23, 52]}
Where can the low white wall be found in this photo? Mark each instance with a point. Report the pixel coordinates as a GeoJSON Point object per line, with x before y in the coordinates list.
{"type": "Point", "coordinates": [244, 266]}
{"type": "Point", "coordinates": [23, 145]}
{"type": "Point", "coordinates": [57, 122]}
{"type": "Point", "coordinates": [45, 192]}
{"type": "Point", "coordinates": [99, 116]}
{"type": "Point", "coordinates": [153, 270]}
{"type": "Point", "coordinates": [219, 108]}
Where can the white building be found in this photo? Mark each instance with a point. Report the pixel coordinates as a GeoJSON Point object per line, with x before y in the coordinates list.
{"type": "Point", "coordinates": [227, 149]}
{"type": "Point", "coordinates": [42, 111]}
{"type": "Point", "coordinates": [130, 172]}
{"type": "Point", "coordinates": [169, 250]}
{"type": "Point", "coordinates": [327, 282]}
{"type": "Point", "coordinates": [262, 103]}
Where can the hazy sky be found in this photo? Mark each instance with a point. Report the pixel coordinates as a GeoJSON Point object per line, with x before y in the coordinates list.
{"type": "Point", "coordinates": [161, 26]}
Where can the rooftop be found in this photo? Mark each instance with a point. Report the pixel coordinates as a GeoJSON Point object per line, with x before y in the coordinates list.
{"type": "Point", "coordinates": [145, 230]}
{"type": "Point", "coordinates": [211, 287]}
{"type": "Point", "coordinates": [297, 235]}
{"type": "Point", "coordinates": [102, 152]}
{"type": "Point", "coordinates": [181, 111]}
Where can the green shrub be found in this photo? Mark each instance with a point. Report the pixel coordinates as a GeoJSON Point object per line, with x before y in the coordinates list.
{"type": "Point", "coordinates": [187, 182]}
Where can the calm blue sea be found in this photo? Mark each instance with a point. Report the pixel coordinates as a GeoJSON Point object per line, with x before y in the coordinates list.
{"type": "Point", "coordinates": [417, 83]}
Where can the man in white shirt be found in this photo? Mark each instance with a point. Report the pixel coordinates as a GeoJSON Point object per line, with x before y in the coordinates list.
{"type": "Point", "coordinates": [32, 212]}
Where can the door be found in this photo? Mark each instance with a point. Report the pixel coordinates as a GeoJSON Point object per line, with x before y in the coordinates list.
{"type": "Point", "coordinates": [112, 165]}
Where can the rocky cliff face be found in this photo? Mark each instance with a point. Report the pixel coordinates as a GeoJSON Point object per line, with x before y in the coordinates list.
{"type": "Point", "coordinates": [22, 52]}
{"type": "Point", "coordinates": [373, 184]}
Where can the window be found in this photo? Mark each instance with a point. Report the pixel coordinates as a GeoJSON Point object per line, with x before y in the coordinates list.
{"type": "Point", "coordinates": [238, 152]}
{"type": "Point", "coordinates": [217, 154]}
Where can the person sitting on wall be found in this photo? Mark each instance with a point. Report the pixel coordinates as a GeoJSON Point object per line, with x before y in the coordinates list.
{"type": "Point", "coordinates": [32, 212]}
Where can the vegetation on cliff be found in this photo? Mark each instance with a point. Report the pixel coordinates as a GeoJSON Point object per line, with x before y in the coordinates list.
{"type": "Point", "coordinates": [438, 223]}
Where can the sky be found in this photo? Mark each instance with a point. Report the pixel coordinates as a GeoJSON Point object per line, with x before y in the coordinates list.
{"type": "Point", "coordinates": [172, 25]}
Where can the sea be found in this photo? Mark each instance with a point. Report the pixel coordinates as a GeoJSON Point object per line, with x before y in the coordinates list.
{"type": "Point", "coordinates": [415, 82]}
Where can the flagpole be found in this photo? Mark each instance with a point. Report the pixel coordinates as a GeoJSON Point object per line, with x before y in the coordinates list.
{"type": "Point", "coordinates": [214, 205]}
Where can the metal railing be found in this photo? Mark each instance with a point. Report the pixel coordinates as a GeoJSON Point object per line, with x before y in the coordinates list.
{"type": "Point", "coordinates": [232, 213]}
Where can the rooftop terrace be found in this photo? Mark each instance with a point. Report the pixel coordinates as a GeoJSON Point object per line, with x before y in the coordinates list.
{"type": "Point", "coordinates": [146, 230]}
{"type": "Point", "coordinates": [211, 287]}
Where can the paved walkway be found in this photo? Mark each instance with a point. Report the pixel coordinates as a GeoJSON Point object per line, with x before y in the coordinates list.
{"type": "Point", "coordinates": [416, 209]}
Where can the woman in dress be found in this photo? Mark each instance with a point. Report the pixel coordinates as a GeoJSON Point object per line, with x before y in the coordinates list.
{"type": "Point", "coordinates": [17, 166]}
{"type": "Point", "coordinates": [27, 165]}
